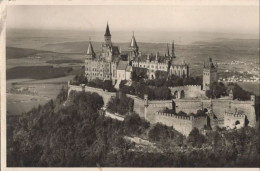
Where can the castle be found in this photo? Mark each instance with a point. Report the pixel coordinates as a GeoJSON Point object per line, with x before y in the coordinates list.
{"type": "Point", "coordinates": [112, 65]}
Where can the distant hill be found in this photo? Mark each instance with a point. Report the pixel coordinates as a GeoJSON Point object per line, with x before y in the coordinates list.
{"type": "Point", "coordinates": [13, 52]}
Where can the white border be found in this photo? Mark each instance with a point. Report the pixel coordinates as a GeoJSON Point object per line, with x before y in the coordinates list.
{"type": "Point", "coordinates": [3, 4]}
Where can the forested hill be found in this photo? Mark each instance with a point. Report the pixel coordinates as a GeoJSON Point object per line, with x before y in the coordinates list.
{"type": "Point", "coordinates": [73, 133]}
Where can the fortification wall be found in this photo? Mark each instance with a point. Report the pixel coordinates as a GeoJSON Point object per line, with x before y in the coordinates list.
{"type": "Point", "coordinates": [190, 91]}
{"type": "Point", "coordinates": [183, 124]}
{"type": "Point", "coordinates": [247, 108]}
{"type": "Point", "coordinates": [234, 120]}
{"type": "Point", "coordinates": [219, 106]}
{"type": "Point", "coordinates": [106, 95]}
{"type": "Point", "coordinates": [188, 106]}
{"type": "Point", "coordinates": [199, 122]}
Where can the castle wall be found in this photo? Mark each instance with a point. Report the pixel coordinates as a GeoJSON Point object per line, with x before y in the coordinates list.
{"type": "Point", "coordinates": [247, 108]}
{"type": "Point", "coordinates": [188, 106]}
{"type": "Point", "coordinates": [190, 91]}
{"type": "Point", "coordinates": [106, 95]}
{"type": "Point", "coordinates": [183, 124]}
{"type": "Point", "coordinates": [149, 111]}
{"type": "Point", "coordinates": [234, 120]}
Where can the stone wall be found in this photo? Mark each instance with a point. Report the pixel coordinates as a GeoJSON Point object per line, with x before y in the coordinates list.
{"type": "Point", "coordinates": [234, 120]}
{"type": "Point", "coordinates": [148, 109]}
{"type": "Point", "coordinates": [190, 91]}
{"type": "Point", "coordinates": [106, 95]}
{"type": "Point", "coordinates": [183, 124]}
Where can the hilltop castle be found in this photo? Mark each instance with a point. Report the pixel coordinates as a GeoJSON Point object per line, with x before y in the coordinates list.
{"type": "Point", "coordinates": [116, 66]}
{"type": "Point", "coordinates": [112, 64]}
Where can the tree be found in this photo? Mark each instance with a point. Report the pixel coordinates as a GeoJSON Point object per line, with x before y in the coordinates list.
{"type": "Point", "coordinates": [162, 93]}
{"type": "Point", "coordinates": [216, 90]}
{"type": "Point", "coordinates": [195, 138]}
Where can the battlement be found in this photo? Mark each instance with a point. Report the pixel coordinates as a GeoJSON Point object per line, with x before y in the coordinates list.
{"type": "Point", "coordinates": [234, 115]}
{"type": "Point", "coordinates": [148, 63]}
{"type": "Point", "coordinates": [185, 86]}
{"type": "Point", "coordinates": [191, 118]}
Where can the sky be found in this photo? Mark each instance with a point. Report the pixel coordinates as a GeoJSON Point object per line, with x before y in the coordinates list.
{"type": "Point", "coordinates": [238, 19]}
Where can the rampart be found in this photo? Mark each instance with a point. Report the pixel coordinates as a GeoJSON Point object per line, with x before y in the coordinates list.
{"type": "Point", "coordinates": [148, 108]}
{"type": "Point", "coordinates": [232, 120]}
{"type": "Point", "coordinates": [183, 124]}
{"type": "Point", "coordinates": [106, 95]}
{"type": "Point", "coordinates": [189, 91]}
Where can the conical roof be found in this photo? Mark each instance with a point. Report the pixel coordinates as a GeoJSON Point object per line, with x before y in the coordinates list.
{"type": "Point", "coordinates": [90, 49]}
{"type": "Point", "coordinates": [133, 42]}
{"type": "Point", "coordinates": [107, 31]}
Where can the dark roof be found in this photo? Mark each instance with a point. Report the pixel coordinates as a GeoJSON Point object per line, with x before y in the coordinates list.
{"type": "Point", "coordinates": [107, 31]}
{"type": "Point", "coordinates": [122, 65]}
{"type": "Point", "coordinates": [143, 58]}
{"type": "Point", "coordinates": [115, 50]}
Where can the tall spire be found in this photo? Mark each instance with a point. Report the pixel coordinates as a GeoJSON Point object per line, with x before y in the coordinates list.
{"type": "Point", "coordinates": [107, 33]}
{"type": "Point", "coordinates": [133, 43]}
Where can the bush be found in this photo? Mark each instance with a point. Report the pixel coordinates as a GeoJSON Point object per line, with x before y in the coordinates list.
{"type": "Point", "coordinates": [195, 138]}
{"type": "Point", "coordinates": [134, 125]}
{"type": "Point", "coordinates": [216, 90]}
{"type": "Point", "coordinates": [121, 105]}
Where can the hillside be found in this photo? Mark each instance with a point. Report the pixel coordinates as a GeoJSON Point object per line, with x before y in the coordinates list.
{"type": "Point", "coordinates": [13, 52]}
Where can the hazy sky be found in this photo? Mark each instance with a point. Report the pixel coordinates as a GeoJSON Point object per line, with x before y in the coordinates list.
{"type": "Point", "coordinates": [244, 19]}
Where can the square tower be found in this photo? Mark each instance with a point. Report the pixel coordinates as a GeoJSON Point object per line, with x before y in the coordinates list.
{"type": "Point", "coordinates": [209, 75]}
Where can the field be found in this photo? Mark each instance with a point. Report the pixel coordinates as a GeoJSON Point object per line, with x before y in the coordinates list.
{"type": "Point", "coordinates": [45, 91]}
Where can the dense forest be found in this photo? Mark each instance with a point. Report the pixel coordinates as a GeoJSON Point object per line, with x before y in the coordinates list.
{"type": "Point", "coordinates": [73, 132]}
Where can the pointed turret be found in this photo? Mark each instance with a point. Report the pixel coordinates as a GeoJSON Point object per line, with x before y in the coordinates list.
{"type": "Point", "coordinates": [133, 47]}
{"type": "Point", "coordinates": [107, 37]}
{"type": "Point", "coordinates": [90, 51]}
{"type": "Point", "coordinates": [133, 43]}
{"type": "Point", "coordinates": [107, 33]}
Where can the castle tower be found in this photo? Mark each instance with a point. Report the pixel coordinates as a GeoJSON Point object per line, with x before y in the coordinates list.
{"type": "Point", "coordinates": [107, 37]}
{"type": "Point", "coordinates": [173, 50]}
{"type": "Point", "coordinates": [88, 62]}
{"type": "Point", "coordinates": [209, 75]}
{"type": "Point", "coordinates": [133, 47]}
{"type": "Point", "coordinates": [90, 52]}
